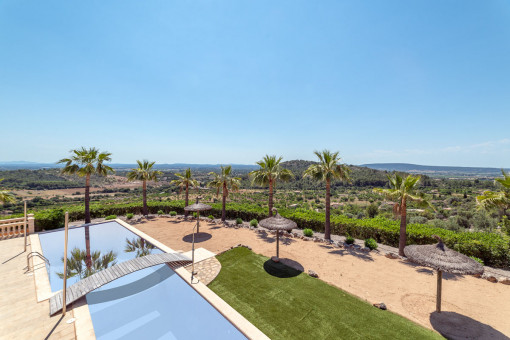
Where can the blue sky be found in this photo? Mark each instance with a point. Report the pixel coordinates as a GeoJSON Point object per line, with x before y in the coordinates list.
{"type": "Point", "coordinates": [424, 82]}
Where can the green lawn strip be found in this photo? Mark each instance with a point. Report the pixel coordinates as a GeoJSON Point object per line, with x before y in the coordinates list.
{"type": "Point", "coordinates": [297, 306]}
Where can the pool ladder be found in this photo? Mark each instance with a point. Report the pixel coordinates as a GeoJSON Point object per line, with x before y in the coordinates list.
{"type": "Point", "coordinates": [36, 253]}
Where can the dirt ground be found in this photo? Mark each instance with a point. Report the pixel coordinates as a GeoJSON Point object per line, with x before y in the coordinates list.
{"type": "Point", "coordinates": [471, 307]}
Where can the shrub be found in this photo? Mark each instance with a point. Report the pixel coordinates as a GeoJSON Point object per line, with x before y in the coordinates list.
{"type": "Point", "coordinates": [211, 217]}
{"type": "Point", "coordinates": [173, 213]}
{"type": "Point", "coordinates": [254, 223]}
{"type": "Point", "coordinates": [239, 220]}
{"type": "Point", "coordinates": [129, 216]}
{"type": "Point", "coordinates": [349, 239]}
{"type": "Point", "coordinates": [371, 243]}
{"type": "Point", "coordinates": [195, 215]}
{"type": "Point", "coordinates": [492, 248]}
{"type": "Point", "coordinates": [160, 212]}
{"type": "Point", "coordinates": [477, 260]}
{"type": "Point", "coordinates": [308, 232]}
{"type": "Point", "coordinates": [110, 217]}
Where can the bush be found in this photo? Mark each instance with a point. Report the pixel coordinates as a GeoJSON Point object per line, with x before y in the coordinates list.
{"type": "Point", "coordinates": [492, 248]}
{"type": "Point", "coordinates": [349, 239]}
{"type": "Point", "coordinates": [239, 220]}
{"type": "Point", "coordinates": [110, 217]}
{"type": "Point", "coordinates": [308, 232]}
{"type": "Point", "coordinates": [372, 210]}
{"type": "Point", "coordinates": [195, 215]}
{"type": "Point", "coordinates": [371, 243]}
{"type": "Point", "coordinates": [173, 213]}
{"type": "Point", "coordinates": [477, 260]}
{"type": "Point", "coordinates": [254, 223]}
{"type": "Point", "coordinates": [160, 212]}
{"type": "Point", "coordinates": [129, 216]}
{"type": "Point", "coordinates": [211, 217]}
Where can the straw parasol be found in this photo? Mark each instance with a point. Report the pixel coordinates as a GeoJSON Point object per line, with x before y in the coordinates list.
{"type": "Point", "coordinates": [196, 207]}
{"type": "Point", "coordinates": [277, 223]}
{"type": "Point", "coordinates": [443, 259]}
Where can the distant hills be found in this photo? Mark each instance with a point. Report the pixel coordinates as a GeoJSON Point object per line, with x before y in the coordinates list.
{"type": "Point", "coordinates": [16, 165]}
{"type": "Point", "coordinates": [438, 171]}
{"type": "Point", "coordinates": [297, 166]}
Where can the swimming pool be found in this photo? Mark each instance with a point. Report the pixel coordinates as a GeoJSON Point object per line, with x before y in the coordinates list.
{"type": "Point", "coordinates": [152, 303]}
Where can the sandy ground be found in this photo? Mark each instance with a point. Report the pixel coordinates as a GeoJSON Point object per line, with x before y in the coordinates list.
{"type": "Point", "coordinates": [472, 308]}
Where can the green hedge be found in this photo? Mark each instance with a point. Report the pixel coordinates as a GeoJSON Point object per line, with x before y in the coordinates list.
{"type": "Point", "coordinates": [492, 248]}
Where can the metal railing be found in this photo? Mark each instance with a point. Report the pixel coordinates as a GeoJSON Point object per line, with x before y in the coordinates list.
{"type": "Point", "coordinates": [36, 253]}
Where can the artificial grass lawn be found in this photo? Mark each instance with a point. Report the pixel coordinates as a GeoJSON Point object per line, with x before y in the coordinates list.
{"type": "Point", "coordinates": [288, 304]}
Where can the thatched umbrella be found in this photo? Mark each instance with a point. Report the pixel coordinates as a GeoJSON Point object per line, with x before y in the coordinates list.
{"type": "Point", "coordinates": [442, 259]}
{"type": "Point", "coordinates": [196, 207]}
{"type": "Point", "coordinates": [277, 223]}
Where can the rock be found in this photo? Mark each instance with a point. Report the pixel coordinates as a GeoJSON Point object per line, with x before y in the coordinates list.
{"type": "Point", "coordinates": [504, 280]}
{"type": "Point", "coordinates": [304, 238]}
{"type": "Point", "coordinates": [477, 275]}
{"type": "Point", "coordinates": [296, 235]}
{"type": "Point", "coordinates": [392, 256]}
{"type": "Point", "coordinates": [492, 279]}
{"type": "Point", "coordinates": [365, 249]}
{"type": "Point", "coordinates": [313, 273]}
{"type": "Point", "coordinates": [380, 306]}
{"type": "Point", "coordinates": [316, 239]}
{"type": "Point", "coordinates": [339, 244]}
{"type": "Point", "coordinates": [357, 246]}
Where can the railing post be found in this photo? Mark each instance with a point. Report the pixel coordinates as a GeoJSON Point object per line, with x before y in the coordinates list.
{"type": "Point", "coordinates": [25, 229]}
{"type": "Point", "coordinates": [64, 304]}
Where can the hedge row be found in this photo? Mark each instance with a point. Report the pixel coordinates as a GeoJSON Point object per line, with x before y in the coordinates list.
{"type": "Point", "coordinates": [492, 248]}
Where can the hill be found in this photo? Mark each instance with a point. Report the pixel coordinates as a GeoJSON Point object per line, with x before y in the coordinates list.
{"type": "Point", "coordinates": [438, 171]}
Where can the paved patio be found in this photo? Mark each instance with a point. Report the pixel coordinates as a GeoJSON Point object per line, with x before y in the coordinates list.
{"type": "Point", "coordinates": [22, 317]}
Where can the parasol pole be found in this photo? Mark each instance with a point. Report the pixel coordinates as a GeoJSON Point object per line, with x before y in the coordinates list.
{"type": "Point", "coordinates": [277, 243]}
{"type": "Point", "coordinates": [439, 284]}
{"type": "Point", "coordinates": [65, 266]}
{"type": "Point", "coordinates": [25, 223]}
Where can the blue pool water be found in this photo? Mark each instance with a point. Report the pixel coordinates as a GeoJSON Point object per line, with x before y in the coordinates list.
{"type": "Point", "coordinates": [154, 303]}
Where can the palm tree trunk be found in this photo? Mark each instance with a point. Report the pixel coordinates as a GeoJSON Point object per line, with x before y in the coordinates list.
{"type": "Point", "coordinates": [270, 198]}
{"type": "Point", "coordinates": [223, 210]}
{"type": "Point", "coordinates": [145, 210]}
{"type": "Point", "coordinates": [403, 224]}
{"type": "Point", "coordinates": [88, 259]}
{"type": "Point", "coordinates": [327, 231]}
{"type": "Point", "coordinates": [186, 200]}
{"type": "Point", "coordinates": [87, 199]}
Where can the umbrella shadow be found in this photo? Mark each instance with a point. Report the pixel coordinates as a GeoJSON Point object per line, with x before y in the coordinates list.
{"type": "Point", "coordinates": [453, 325]}
{"type": "Point", "coordinates": [286, 268]}
{"type": "Point", "coordinates": [429, 271]}
{"type": "Point", "coordinates": [215, 227]}
{"type": "Point", "coordinates": [199, 237]}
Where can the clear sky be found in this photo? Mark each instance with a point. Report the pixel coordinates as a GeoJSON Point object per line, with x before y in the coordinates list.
{"type": "Point", "coordinates": [424, 82]}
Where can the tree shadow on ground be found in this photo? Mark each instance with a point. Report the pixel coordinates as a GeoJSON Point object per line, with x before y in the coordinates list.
{"type": "Point", "coordinates": [199, 237]}
{"type": "Point", "coordinates": [425, 270]}
{"type": "Point", "coordinates": [359, 254]}
{"type": "Point", "coordinates": [270, 238]}
{"type": "Point", "coordinates": [175, 221]}
{"type": "Point", "coordinates": [281, 269]}
{"type": "Point", "coordinates": [452, 325]}
{"type": "Point", "coordinates": [215, 227]}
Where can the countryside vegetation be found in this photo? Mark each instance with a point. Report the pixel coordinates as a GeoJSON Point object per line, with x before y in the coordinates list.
{"type": "Point", "coordinates": [394, 208]}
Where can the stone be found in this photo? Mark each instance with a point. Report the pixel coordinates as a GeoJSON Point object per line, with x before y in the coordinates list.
{"type": "Point", "coordinates": [504, 280]}
{"type": "Point", "coordinates": [304, 238]}
{"type": "Point", "coordinates": [365, 249]}
{"type": "Point", "coordinates": [492, 279]}
{"type": "Point", "coordinates": [313, 273]}
{"type": "Point", "coordinates": [392, 256]}
{"type": "Point", "coordinates": [380, 306]}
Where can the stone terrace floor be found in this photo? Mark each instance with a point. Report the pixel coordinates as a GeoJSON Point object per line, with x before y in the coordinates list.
{"type": "Point", "coordinates": [21, 316]}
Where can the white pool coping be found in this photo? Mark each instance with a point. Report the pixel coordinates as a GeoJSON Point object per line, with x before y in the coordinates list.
{"type": "Point", "coordinates": [83, 324]}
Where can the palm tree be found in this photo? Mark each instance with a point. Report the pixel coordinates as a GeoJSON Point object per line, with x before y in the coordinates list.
{"type": "Point", "coordinates": [327, 170]}
{"type": "Point", "coordinates": [500, 199]}
{"type": "Point", "coordinates": [78, 265]}
{"type": "Point", "coordinates": [402, 190]}
{"type": "Point", "coordinates": [6, 196]}
{"type": "Point", "coordinates": [144, 173]}
{"type": "Point", "coordinates": [138, 245]}
{"type": "Point", "coordinates": [184, 181]}
{"type": "Point", "coordinates": [225, 182]}
{"type": "Point", "coordinates": [85, 163]}
{"type": "Point", "coordinates": [269, 173]}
